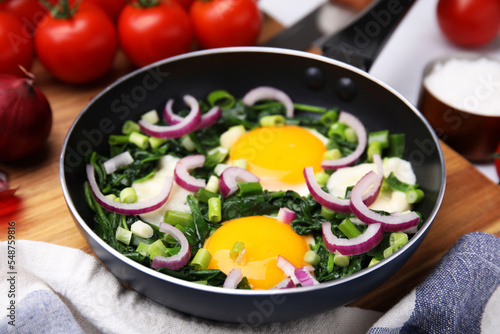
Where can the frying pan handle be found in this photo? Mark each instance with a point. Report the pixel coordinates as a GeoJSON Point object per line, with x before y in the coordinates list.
{"type": "Point", "coordinates": [361, 41]}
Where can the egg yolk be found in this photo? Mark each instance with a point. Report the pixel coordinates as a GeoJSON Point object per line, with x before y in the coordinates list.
{"type": "Point", "coordinates": [278, 155]}
{"type": "Point", "coordinates": [264, 239]}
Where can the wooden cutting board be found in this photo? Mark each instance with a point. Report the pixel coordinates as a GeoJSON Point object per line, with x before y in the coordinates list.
{"type": "Point", "coordinates": [471, 202]}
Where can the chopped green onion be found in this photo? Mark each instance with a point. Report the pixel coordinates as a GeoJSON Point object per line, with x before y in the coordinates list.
{"type": "Point", "coordinates": [341, 260]}
{"type": "Point", "coordinates": [242, 163]}
{"type": "Point", "coordinates": [213, 184]}
{"type": "Point", "coordinates": [309, 108]}
{"type": "Point", "coordinates": [129, 127]}
{"type": "Point", "coordinates": [150, 117]}
{"type": "Point", "coordinates": [237, 252]}
{"type": "Point", "coordinates": [329, 118]}
{"type": "Point", "coordinates": [188, 143]}
{"type": "Point", "coordinates": [249, 188]}
{"type": "Point", "coordinates": [312, 258]}
{"type": "Point", "coordinates": [215, 156]}
{"type": "Point", "coordinates": [151, 250]}
{"type": "Point", "coordinates": [113, 197]}
{"type": "Point", "coordinates": [89, 196]}
{"type": "Point", "coordinates": [337, 129]}
{"type": "Point", "coordinates": [203, 195]}
{"type": "Point", "coordinates": [380, 136]}
{"type": "Point", "coordinates": [349, 229]}
{"type": "Point", "coordinates": [374, 148]}
{"type": "Point", "coordinates": [231, 135]}
{"type": "Point", "coordinates": [414, 196]}
{"type": "Point", "coordinates": [321, 178]}
{"type": "Point", "coordinates": [272, 120]}
{"type": "Point", "coordinates": [139, 140]}
{"type": "Point", "coordinates": [331, 262]}
{"type": "Point", "coordinates": [396, 145]}
{"type": "Point", "coordinates": [328, 213]}
{"type": "Point", "coordinates": [123, 235]}
{"type": "Point", "coordinates": [398, 239]}
{"type": "Point", "coordinates": [117, 140]}
{"type": "Point", "coordinates": [202, 282]}
{"type": "Point", "coordinates": [350, 135]}
{"type": "Point", "coordinates": [141, 229]}
{"type": "Point", "coordinates": [332, 154]}
{"type": "Point", "coordinates": [214, 209]}
{"type": "Point", "coordinates": [202, 259]}
{"type": "Point", "coordinates": [221, 98]}
{"type": "Point", "coordinates": [156, 142]}
{"type": "Point", "coordinates": [396, 184]}
{"type": "Point", "coordinates": [128, 195]}
{"type": "Point", "coordinates": [173, 217]}
{"type": "Point", "coordinates": [373, 262]}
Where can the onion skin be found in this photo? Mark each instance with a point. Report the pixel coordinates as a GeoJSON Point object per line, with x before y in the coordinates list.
{"type": "Point", "coordinates": [25, 118]}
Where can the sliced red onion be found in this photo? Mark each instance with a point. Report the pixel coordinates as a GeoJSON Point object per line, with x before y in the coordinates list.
{"type": "Point", "coordinates": [187, 125]}
{"type": "Point", "coordinates": [372, 236]}
{"type": "Point", "coordinates": [286, 215]}
{"type": "Point", "coordinates": [305, 277]}
{"type": "Point", "coordinates": [392, 223]}
{"type": "Point", "coordinates": [210, 117]}
{"type": "Point", "coordinates": [371, 195]}
{"type": "Point", "coordinates": [122, 159]}
{"type": "Point", "coordinates": [229, 177]}
{"type": "Point", "coordinates": [178, 260]}
{"type": "Point", "coordinates": [269, 93]}
{"type": "Point", "coordinates": [288, 268]}
{"type": "Point", "coordinates": [129, 208]}
{"type": "Point", "coordinates": [358, 127]}
{"type": "Point", "coordinates": [286, 283]}
{"type": "Point", "coordinates": [182, 176]}
{"type": "Point", "coordinates": [207, 119]}
{"type": "Point", "coordinates": [233, 279]}
{"type": "Point", "coordinates": [325, 199]}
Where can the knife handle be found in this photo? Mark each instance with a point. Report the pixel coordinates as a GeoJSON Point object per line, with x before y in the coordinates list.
{"type": "Point", "coordinates": [361, 41]}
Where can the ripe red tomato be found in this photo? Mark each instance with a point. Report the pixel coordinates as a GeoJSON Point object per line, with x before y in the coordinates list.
{"type": "Point", "coordinates": [112, 7]}
{"type": "Point", "coordinates": [469, 23]}
{"type": "Point", "coordinates": [30, 12]}
{"type": "Point", "coordinates": [185, 3]}
{"type": "Point", "coordinates": [16, 45]}
{"type": "Point", "coordinates": [149, 34]}
{"type": "Point", "coordinates": [77, 49]}
{"type": "Point", "coordinates": [221, 23]}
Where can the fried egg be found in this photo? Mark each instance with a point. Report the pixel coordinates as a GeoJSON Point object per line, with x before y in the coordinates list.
{"type": "Point", "coordinates": [264, 239]}
{"type": "Point", "coordinates": [278, 155]}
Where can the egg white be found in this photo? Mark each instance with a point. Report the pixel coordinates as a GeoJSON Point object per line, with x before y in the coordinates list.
{"type": "Point", "coordinates": [391, 201]}
{"type": "Point", "coordinates": [152, 186]}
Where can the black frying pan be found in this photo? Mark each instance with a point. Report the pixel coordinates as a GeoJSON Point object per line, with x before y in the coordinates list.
{"type": "Point", "coordinates": [308, 79]}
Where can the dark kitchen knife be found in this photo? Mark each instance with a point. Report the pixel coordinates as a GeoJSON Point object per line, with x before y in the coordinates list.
{"type": "Point", "coordinates": [359, 43]}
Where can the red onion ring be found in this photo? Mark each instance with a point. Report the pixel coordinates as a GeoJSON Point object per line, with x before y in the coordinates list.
{"type": "Point", "coordinates": [207, 119]}
{"type": "Point", "coordinates": [325, 199]}
{"type": "Point", "coordinates": [129, 208]}
{"type": "Point", "coordinates": [178, 260]}
{"type": "Point", "coordinates": [233, 279]}
{"type": "Point", "coordinates": [187, 125]}
{"type": "Point", "coordinates": [372, 236]}
{"type": "Point", "coordinates": [117, 161]}
{"type": "Point", "coordinates": [358, 127]}
{"type": "Point", "coordinates": [371, 195]}
{"type": "Point", "coordinates": [286, 283]}
{"type": "Point", "coordinates": [182, 176]}
{"type": "Point", "coordinates": [229, 177]}
{"type": "Point", "coordinates": [288, 268]}
{"type": "Point", "coordinates": [269, 93]}
{"type": "Point", "coordinates": [286, 215]}
{"type": "Point", "coordinates": [305, 277]}
{"type": "Point", "coordinates": [392, 223]}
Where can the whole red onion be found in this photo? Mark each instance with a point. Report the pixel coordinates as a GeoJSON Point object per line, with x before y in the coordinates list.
{"type": "Point", "coordinates": [25, 117]}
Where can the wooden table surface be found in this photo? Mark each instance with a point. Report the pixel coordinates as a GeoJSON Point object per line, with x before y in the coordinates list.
{"type": "Point", "coordinates": [471, 202]}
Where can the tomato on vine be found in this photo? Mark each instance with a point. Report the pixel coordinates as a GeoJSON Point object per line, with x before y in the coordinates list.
{"type": "Point", "coordinates": [15, 44]}
{"type": "Point", "coordinates": [76, 44]}
{"type": "Point", "coordinates": [222, 23]}
{"type": "Point", "coordinates": [150, 30]}
{"type": "Point", "coordinates": [469, 23]}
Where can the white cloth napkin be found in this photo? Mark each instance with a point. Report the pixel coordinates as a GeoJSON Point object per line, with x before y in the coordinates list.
{"type": "Point", "coordinates": [64, 290]}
